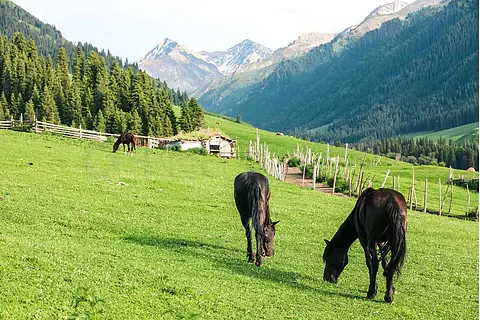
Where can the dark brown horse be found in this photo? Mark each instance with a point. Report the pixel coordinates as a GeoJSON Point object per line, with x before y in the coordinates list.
{"type": "Point", "coordinates": [252, 195]}
{"type": "Point", "coordinates": [379, 218]}
{"type": "Point", "coordinates": [126, 139]}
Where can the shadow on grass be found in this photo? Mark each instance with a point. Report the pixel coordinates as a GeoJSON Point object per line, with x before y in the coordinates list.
{"type": "Point", "coordinates": [228, 258]}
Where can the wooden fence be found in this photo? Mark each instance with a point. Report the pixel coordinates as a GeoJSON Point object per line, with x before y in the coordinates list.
{"type": "Point", "coordinates": [261, 154]}
{"type": "Point", "coordinates": [77, 133]}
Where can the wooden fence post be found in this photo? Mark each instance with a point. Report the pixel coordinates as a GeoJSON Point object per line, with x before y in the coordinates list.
{"type": "Point", "coordinates": [80, 130]}
{"type": "Point", "coordinates": [11, 122]}
{"type": "Point", "coordinates": [440, 197]}
{"type": "Point", "coordinates": [350, 177]}
{"type": "Point", "coordinates": [385, 179]}
{"type": "Point", "coordinates": [468, 201]}
{"type": "Point", "coordinates": [335, 174]}
{"type": "Point", "coordinates": [451, 196]}
{"type": "Point", "coordinates": [425, 196]}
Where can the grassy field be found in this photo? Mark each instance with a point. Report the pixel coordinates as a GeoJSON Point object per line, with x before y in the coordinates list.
{"type": "Point", "coordinates": [453, 133]}
{"type": "Point", "coordinates": [167, 243]}
{"type": "Point", "coordinates": [287, 145]}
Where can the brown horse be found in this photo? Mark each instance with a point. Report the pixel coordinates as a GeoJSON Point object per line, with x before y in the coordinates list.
{"type": "Point", "coordinates": [126, 139]}
{"type": "Point", "coordinates": [252, 194]}
{"type": "Point", "coordinates": [379, 218]}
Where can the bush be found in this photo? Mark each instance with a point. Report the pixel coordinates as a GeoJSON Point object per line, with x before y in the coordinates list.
{"type": "Point", "coordinates": [200, 151]}
{"type": "Point", "coordinates": [294, 162]}
{"type": "Point", "coordinates": [175, 147]}
{"type": "Point", "coordinates": [341, 185]}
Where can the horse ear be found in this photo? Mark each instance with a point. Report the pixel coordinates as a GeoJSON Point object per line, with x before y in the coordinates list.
{"type": "Point", "coordinates": [274, 223]}
{"type": "Point", "coordinates": [326, 241]}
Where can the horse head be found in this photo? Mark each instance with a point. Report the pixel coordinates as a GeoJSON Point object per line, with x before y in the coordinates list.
{"type": "Point", "coordinates": [335, 261]}
{"type": "Point", "coordinates": [268, 246]}
{"type": "Point", "coordinates": [116, 145]}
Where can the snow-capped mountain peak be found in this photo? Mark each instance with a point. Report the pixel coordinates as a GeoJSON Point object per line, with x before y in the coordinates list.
{"type": "Point", "coordinates": [232, 59]}
{"type": "Point", "coordinates": [388, 8]}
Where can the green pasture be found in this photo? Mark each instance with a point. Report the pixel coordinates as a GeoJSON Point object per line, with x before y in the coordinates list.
{"type": "Point", "coordinates": [374, 166]}
{"type": "Point", "coordinates": [455, 134]}
{"type": "Point", "coordinates": [88, 234]}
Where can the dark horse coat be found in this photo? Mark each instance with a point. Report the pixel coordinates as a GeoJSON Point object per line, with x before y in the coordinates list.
{"type": "Point", "coordinates": [126, 139]}
{"type": "Point", "coordinates": [379, 218]}
{"type": "Point", "coordinates": [252, 195]}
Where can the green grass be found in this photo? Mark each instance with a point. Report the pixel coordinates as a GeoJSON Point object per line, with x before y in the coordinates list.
{"type": "Point", "coordinates": [282, 145]}
{"type": "Point", "coordinates": [169, 244]}
{"type": "Point", "coordinates": [453, 133]}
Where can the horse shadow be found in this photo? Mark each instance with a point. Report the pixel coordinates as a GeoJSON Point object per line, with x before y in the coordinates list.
{"type": "Point", "coordinates": [227, 258]}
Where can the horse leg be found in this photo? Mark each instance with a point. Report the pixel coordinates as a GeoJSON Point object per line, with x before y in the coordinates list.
{"type": "Point", "coordinates": [372, 264]}
{"type": "Point", "coordinates": [248, 234]}
{"type": "Point", "coordinates": [384, 266]}
{"type": "Point", "coordinates": [124, 152]}
{"type": "Point", "coordinates": [258, 256]}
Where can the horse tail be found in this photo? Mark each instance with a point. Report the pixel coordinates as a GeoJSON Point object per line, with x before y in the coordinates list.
{"type": "Point", "coordinates": [256, 202]}
{"type": "Point", "coordinates": [398, 242]}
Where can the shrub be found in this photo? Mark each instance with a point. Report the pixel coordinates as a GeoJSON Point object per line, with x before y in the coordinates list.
{"type": "Point", "coordinates": [175, 147]}
{"type": "Point", "coordinates": [200, 151]}
{"type": "Point", "coordinates": [341, 185]}
{"type": "Point", "coordinates": [294, 162]}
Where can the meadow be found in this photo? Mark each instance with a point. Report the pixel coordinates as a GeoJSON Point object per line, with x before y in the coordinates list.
{"type": "Point", "coordinates": [453, 133]}
{"type": "Point", "coordinates": [88, 234]}
{"type": "Point", "coordinates": [374, 166]}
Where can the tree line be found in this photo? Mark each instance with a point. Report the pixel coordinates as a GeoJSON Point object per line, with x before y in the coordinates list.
{"type": "Point", "coordinates": [425, 151]}
{"type": "Point", "coordinates": [98, 97]}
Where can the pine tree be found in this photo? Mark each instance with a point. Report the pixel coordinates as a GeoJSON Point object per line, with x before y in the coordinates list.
{"type": "Point", "coordinates": [78, 65]}
{"type": "Point", "coordinates": [4, 112]}
{"type": "Point", "coordinates": [186, 123]}
{"type": "Point", "coordinates": [49, 111]}
{"type": "Point", "coordinates": [135, 123]}
{"type": "Point", "coordinates": [30, 111]}
{"type": "Point", "coordinates": [197, 115]}
{"type": "Point", "coordinates": [13, 106]}
{"type": "Point", "coordinates": [99, 122]}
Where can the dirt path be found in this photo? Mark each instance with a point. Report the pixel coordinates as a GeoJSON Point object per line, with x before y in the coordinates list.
{"type": "Point", "coordinates": [294, 176]}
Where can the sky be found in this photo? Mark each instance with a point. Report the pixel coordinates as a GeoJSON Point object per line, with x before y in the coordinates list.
{"type": "Point", "coordinates": [129, 29]}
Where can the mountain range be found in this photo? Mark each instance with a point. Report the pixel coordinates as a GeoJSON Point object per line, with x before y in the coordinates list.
{"type": "Point", "coordinates": [417, 72]}
{"type": "Point", "coordinates": [192, 71]}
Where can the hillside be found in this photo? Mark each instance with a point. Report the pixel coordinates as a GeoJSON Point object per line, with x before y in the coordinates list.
{"type": "Point", "coordinates": [426, 65]}
{"type": "Point", "coordinates": [48, 39]}
{"type": "Point", "coordinates": [168, 243]}
{"type": "Point", "coordinates": [468, 131]}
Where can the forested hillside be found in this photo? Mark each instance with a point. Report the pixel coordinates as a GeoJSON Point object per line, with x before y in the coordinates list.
{"type": "Point", "coordinates": [49, 40]}
{"type": "Point", "coordinates": [425, 151]}
{"type": "Point", "coordinates": [111, 99]}
{"type": "Point", "coordinates": [410, 75]}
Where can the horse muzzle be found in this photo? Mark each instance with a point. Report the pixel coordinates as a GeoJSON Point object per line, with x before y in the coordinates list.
{"type": "Point", "coordinates": [330, 278]}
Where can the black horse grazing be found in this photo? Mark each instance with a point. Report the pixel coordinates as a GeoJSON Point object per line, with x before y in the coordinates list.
{"type": "Point", "coordinates": [252, 195]}
{"type": "Point", "coordinates": [126, 139]}
{"type": "Point", "coordinates": [379, 218]}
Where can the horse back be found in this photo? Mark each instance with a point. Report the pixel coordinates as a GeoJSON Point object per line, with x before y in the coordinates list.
{"type": "Point", "coordinates": [375, 213]}
{"type": "Point", "coordinates": [243, 185]}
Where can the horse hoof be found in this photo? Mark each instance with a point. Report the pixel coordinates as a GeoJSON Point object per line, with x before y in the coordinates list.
{"type": "Point", "coordinates": [389, 299]}
{"type": "Point", "coordinates": [258, 263]}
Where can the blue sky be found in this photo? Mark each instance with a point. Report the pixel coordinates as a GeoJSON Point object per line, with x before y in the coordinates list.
{"type": "Point", "coordinates": [131, 28]}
